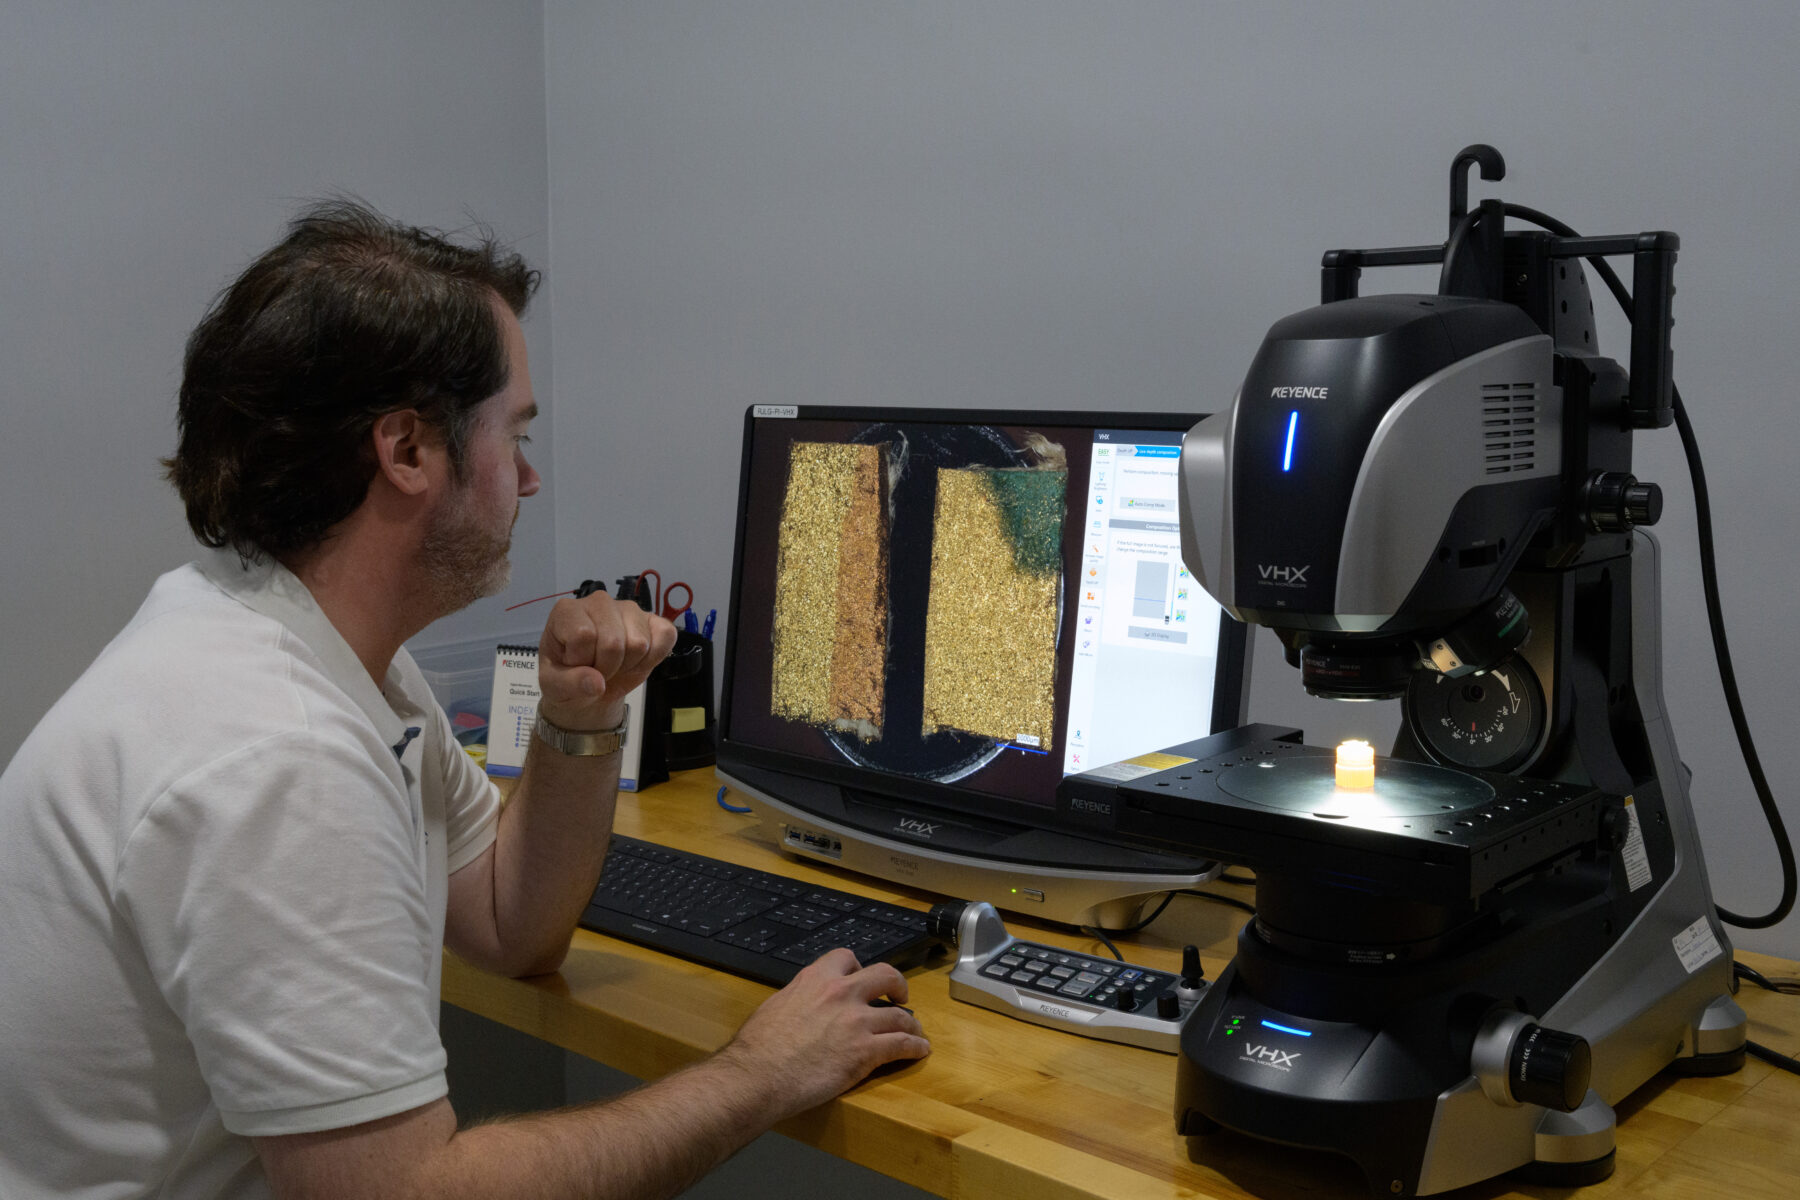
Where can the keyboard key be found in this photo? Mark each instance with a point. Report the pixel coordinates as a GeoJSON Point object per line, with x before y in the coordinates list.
{"type": "Point", "coordinates": [805, 916]}
{"type": "Point", "coordinates": [840, 902]}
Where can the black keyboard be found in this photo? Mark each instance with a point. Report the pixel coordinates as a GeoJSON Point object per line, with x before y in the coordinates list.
{"type": "Point", "coordinates": [747, 922]}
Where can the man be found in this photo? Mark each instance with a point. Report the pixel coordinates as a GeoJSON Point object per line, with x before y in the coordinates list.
{"type": "Point", "coordinates": [231, 853]}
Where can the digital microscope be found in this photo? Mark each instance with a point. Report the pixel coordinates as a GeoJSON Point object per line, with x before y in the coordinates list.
{"type": "Point", "coordinates": [1464, 957]}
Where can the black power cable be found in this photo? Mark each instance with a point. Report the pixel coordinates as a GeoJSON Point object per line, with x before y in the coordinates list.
{"type": "Point", "coordinates": [1774, 1058]}
{"type": "Point", "coordinates": [1217, 898]}
{"type": "Point", "coordinates": [1786, 986]}
{"type": "Point", "coordinates": [1105, 936]}
{"type": "Point", "coordinates": [1709, 579]}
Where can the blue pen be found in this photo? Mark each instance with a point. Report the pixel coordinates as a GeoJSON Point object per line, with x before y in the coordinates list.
{"type": "Point", "coordinates": [706, 629]}
{"type": "Point", "coordinates": [688, 622]}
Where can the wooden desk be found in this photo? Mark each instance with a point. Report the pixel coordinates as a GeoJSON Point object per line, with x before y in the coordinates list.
{"type": "Point", "coordinates": [1003, 1108]}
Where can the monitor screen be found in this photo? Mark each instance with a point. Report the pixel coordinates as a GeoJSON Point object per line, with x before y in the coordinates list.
{"type": "Point", "coordinates": [959, 608]}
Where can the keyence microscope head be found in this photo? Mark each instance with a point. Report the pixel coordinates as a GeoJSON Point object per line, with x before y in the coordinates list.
{"type": "Point", "coordinates": [1390, 460]}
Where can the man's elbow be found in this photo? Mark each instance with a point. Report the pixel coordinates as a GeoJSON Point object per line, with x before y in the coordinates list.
{"type": "Point", "coordinates": [544, 962]}
{"type": "Point", "coordinates": [513, 960]}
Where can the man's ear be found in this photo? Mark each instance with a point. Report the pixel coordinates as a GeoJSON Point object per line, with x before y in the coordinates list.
{"type": "Point", "coordinates": [409, 452]}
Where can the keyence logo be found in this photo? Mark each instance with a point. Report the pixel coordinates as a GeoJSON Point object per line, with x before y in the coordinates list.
{"type": "Point", "coordinates": [1300, 393]}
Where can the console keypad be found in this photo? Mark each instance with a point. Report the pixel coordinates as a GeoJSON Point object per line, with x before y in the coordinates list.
{"type": "Point", "coordinates": [1057, 972]}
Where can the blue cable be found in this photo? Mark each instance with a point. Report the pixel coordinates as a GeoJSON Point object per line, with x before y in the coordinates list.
{"type": "Point", "coordinates": [737, 808]}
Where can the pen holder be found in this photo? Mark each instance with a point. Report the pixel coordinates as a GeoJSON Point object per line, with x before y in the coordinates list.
{"type": "Point", "coordinates": [678, 711]}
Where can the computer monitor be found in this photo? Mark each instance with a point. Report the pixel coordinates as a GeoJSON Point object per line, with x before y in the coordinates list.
{"type": "Point", "coordinates": [936, 615]}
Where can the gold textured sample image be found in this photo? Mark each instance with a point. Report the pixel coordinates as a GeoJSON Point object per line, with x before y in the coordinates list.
{"type": "Point", "coordinates": [831, 599]}
{"type": "Point", "coordinates": [990, 623]}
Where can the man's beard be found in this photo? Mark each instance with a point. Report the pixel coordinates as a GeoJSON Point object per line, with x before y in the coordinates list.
{"type": "Point", "coordinates": [464, 561]}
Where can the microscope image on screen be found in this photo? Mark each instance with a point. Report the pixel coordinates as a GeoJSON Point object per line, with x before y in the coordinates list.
{"type": "Point", "coordinates": [996, 591]}
{"type": "Point", "coordinates": [918, 595]}
{"type": "Point", "coordinates": [831, 607]}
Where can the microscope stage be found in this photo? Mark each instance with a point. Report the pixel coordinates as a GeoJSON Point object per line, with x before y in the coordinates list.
{"type": "Point", "coordinates": [1273, 805]}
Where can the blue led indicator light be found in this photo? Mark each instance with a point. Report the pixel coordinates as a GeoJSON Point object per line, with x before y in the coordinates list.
{"type": "Point", "coordinates": [1287, 455]}
{"type": "Point", "coordinates": [1286, 1029]}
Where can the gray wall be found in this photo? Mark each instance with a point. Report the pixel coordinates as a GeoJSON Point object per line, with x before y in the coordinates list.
{"type": "Point", "coordinates": [1020, 202]}
{"type": "Point", "coordinates": [150, 151]}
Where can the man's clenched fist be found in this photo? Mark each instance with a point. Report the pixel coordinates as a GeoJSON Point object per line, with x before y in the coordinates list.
{"type": "Point", "coordinates": [595, 649]}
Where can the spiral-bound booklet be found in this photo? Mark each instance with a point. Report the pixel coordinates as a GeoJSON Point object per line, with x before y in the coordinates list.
{"type": "Point", "coordinates": [512, 713]}
{"type": "Point", "coordinates": [512, 710]}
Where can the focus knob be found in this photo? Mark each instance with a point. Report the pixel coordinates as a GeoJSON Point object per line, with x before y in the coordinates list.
{"type": "Point", "coordinates": [1549, 1068]}
{"type": "Point", "coordinates": [1517, 1061]}
{"type": "Point", "coordinates": [1616, 502]}
{"type": "Point", "coordinates": [1643, 503]}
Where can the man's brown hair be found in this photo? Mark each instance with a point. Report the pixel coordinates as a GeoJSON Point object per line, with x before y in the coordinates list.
{"type": "Point", "coordinates": [351, 316]}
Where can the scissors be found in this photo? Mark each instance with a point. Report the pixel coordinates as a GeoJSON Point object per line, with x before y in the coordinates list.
{"type": "Point", "coordinates": [662, 600]}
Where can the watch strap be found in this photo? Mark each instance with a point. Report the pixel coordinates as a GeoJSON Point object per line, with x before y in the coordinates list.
{"type": "Point", "coordinates": [582, 743]}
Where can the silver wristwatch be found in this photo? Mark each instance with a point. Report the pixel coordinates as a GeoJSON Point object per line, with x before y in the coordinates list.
{"type": "Point", "coordinates": [583, 743]}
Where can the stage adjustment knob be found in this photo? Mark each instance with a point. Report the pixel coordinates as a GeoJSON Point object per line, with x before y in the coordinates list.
{"type": "Point", "coordinates": [1168, 1007]}
{"type": "Point", "coordinates": [1549, 1067]}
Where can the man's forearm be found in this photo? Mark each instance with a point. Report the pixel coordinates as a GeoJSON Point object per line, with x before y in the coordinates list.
{"type": "Point", "coordinates": [548, 850]}
{"type": "Point", "coordinates": [651, 1142]}
{"type": "Point", "coordinates": [514, 909]}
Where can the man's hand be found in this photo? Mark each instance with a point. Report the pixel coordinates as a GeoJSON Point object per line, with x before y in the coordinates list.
{"type": "Point", "coordinates": [593, 652]}
{"type": "Point", "coordinates": [825, 1031]}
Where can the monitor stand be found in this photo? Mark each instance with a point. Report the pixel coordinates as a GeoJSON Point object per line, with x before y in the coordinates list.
{"type": "Point", "coordinates": [1075, 879]}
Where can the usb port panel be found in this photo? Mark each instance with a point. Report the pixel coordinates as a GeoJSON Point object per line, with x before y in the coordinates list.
{"type": "Point", "coordinates": [814, 843]}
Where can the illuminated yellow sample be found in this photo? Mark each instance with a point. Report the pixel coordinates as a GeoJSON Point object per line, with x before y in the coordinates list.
{"type": "Point", "coordinates": [1355, 765]}
{"type": "Point", "coordinates": [831, 601]}
{"type": "Point", "coordinates": [991, 617]}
